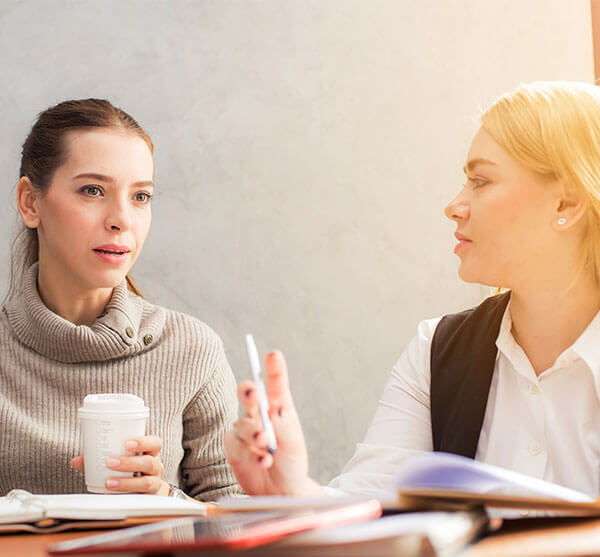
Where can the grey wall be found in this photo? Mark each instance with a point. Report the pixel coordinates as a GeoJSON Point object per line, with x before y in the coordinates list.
{"type": "Point", "coordinates": [304, 153]}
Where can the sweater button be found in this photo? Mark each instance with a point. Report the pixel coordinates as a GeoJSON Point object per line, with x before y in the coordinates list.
{"type": "Point", "coordinates": [148, 340]}
{"type": "Point", "coordinates": [130, 332]}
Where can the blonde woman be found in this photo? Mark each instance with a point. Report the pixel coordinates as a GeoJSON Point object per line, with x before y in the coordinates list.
{"type": "Point", "coordinates": [515, 381]}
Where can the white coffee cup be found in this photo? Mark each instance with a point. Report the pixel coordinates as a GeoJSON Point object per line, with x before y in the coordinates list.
{"type": "Point", "coordinates": [107, 422]}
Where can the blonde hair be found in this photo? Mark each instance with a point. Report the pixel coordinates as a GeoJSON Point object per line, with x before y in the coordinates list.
{"type": "Point", "coordinates": [553, 128]}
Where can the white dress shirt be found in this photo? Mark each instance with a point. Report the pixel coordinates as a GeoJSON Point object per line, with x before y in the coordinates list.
{"type": "Point", "coordinates": [547, 426]}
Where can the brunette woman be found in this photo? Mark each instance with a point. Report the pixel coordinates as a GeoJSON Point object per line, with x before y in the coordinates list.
{"type": "Point", "coordinates": [74, 323]}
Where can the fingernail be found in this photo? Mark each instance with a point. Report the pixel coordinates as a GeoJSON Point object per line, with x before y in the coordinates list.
{"type": "Point", "coordinates": [132, 445]}
{"type": "Point", "coordinates": [113, 462]}
{"type": "Point", "coordinates": [112, 483]}
{"type": "Point", "coordinates": [248, 391]}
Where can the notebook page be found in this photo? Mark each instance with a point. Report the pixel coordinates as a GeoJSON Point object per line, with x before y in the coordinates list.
{"type": "Point", "coordinates": [453, 472]}
{"type": "Point", "coordinates": [117, 506]}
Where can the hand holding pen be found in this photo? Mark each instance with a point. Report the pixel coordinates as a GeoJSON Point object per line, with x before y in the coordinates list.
{"type": "Point", "coordinates": [257, 470]}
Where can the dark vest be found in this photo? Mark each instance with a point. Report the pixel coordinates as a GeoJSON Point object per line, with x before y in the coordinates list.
{"type": "Point", "coordinates": [463, 356]}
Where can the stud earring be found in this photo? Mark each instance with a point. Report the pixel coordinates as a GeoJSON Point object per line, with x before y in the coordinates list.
{"type": "Point", "coordinates": [561, 221]}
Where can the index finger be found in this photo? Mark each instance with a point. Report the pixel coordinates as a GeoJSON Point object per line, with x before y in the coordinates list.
{"type": "Point", "coordinates": [276, 378]}
{"type": "Point", "coordinates": [150, 444]}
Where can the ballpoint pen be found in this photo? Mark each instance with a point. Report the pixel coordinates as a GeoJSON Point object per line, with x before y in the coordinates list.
{"type": "Point", "coordinates": [263, 403]}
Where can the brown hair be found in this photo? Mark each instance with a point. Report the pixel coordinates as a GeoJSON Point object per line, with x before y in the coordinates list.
{"type": "Point", "coordinates": [44, 151]}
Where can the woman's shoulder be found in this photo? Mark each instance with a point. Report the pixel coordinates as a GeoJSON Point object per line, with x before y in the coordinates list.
{"type": "Point", "coordinates": [426, 328]}
{"type": "Point", "coordinates": [189, 332]}
{"type": "Point", "coordinates": [490, 306]}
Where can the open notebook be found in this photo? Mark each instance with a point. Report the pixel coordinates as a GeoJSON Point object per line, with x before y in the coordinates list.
{"type": "Point", "coordinates": [447, 481]}
{"type": "Point", "coordinates": [24, 511]}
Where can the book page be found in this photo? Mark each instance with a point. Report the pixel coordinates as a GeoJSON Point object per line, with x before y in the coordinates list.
{"type": "Point", "coordinates": [27, 507]}
{"type": "Point", "coordinates": [444, 471]}
{"type": "Point", "coordinates": [115, 506]}
{"type": "Point", "coordinates": [12, 511]}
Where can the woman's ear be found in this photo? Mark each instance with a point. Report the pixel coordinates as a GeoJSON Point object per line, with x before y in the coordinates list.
{"type": "Point", "coordinates": [569, 209]}
{"type": "Point", "coordinates": [27, 202]}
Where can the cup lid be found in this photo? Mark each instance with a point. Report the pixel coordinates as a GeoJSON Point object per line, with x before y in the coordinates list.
{"type": "Point", "coordinates": [113, 402]}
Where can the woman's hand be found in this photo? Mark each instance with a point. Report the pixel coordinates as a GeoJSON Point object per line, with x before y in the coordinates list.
{"type": "Point", "coordinates": [147, 465]}
{"type": "Point", "coordinates": [257, 471]}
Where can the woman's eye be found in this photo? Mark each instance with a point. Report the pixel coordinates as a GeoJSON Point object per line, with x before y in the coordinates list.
{"type": "Point", "coordinates": [477, 182]}
{"type": "Point", "coordinates": [92, 191]}
{"type": "Point", "coordinates": [142, 197]}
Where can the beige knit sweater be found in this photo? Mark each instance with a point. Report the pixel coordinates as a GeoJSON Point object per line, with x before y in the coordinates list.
{"type": "Point", "coordinates": [47, 366]}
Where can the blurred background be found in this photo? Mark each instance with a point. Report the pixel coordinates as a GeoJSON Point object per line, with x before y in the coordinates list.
{"type": "Point", "coordinates": [305, 150]}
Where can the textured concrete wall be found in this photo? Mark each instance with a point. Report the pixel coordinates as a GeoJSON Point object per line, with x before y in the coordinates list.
{"type": "Point", "coordinates": [304, 153]}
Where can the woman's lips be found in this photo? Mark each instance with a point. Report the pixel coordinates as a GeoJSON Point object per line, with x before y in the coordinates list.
{"type": "Point", "coordinates": [461, 245]}
{"type": "Point", "coordinates": [112, 253]}
{"type": "Point", "coordinates": [463, 242]}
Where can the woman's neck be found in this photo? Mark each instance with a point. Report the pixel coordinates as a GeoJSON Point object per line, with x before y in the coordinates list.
{"type": "Point", "coordinates": [66, 297]}
{"type": "Point", "coordinates": [547, 320]}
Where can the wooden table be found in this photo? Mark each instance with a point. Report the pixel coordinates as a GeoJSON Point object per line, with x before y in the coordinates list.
{"type": "Point", "coordinates": [34, 545]}
{"type": "Point", "coordinates": [549, 537]}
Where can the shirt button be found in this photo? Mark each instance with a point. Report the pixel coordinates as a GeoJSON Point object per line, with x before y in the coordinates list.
{"type": "Point", "coordinates": [534, 389]}
{"type": "Point", "coordinates": [130, 332]}
{"type": "Point", "coordinates": [534, 448]}
{"type": "Point", "coordinates": [148, 340]}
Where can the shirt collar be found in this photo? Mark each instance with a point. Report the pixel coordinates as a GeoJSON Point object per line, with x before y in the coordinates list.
{"type": "Point", "coordinates": [588, 348]}
{"type": "Point", "coordinates": [508, 346]}
{"type": "Point", "coordinates": [585, 347]}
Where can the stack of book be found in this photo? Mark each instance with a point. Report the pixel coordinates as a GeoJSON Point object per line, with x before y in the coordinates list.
{"type": "Point", "coordinates": [441, 504]}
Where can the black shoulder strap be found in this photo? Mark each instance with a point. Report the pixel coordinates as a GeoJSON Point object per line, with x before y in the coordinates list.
{"type": "Point", "coordinates": [463, 356]}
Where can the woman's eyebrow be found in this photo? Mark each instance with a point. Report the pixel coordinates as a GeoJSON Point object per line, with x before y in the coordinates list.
{"type": "Point", "coordinates": [474, 162]}
{"type": "Point", "coordinates": [94, 176]}
{"type": "Point", "coordinates": [146, 184]}
{"type": "Point", "coordinates": [103, 178]}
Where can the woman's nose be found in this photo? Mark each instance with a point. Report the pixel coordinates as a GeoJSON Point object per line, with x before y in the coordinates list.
{"type": "Point", "coordinates": [119, 217]}
{"type": "Point", "coordinates": [458, 208]}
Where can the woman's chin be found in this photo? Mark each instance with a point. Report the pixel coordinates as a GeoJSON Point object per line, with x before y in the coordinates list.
{"type": "Point", "coordinates": [469, 274]}
{"type": "Point", "coordinates": [107, 280]}
{"type": "Point", "coordinates": [479, 278]}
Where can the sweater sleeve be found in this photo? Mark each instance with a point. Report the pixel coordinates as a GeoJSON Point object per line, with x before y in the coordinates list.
{"type": "Point", "coordinates": [205, 472]}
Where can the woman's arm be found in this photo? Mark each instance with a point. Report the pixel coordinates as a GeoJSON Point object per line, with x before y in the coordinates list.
{"type": "Point", "coordinates": [401, 426]}
{"type": "Point", "coordinates": [205, 473]}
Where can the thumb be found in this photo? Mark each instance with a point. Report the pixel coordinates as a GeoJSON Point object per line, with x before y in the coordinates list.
{"type": "Point", "coordinates": [77, 463]}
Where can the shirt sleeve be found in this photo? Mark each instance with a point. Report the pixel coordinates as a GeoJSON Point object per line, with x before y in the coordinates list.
{"type": "Point", "coordinates": [205, 472]}
{"type": "Point", "coordinates": [401, 426]}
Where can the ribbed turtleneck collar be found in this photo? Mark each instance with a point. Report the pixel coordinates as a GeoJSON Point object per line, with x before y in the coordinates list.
{"type": "Point", "coordinates": [129, 325]}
